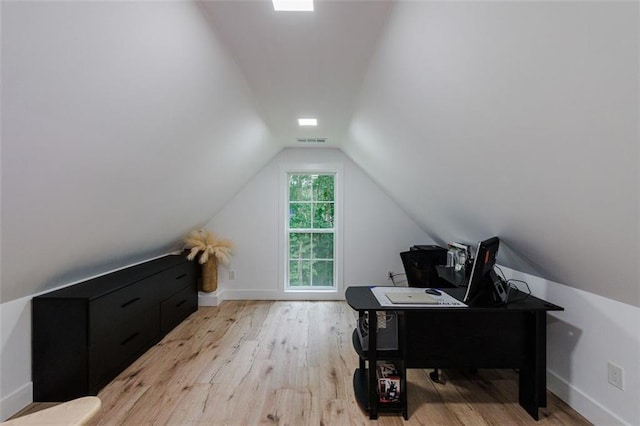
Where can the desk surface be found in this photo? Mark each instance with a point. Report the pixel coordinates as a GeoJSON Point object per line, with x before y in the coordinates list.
{"type": "Point", "coordinates": [362, 299]}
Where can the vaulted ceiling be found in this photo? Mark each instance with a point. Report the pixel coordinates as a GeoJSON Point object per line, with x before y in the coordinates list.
{"type": "Point", "coordinates": [302, 64]}
{"type": "Point", "coordinates": [517, 119]}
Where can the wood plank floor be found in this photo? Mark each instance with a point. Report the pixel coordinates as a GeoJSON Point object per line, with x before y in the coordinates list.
{"type": "Point", "coordinates": [291, 363]}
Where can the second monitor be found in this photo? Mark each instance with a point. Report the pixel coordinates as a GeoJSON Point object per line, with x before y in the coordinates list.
{"type": "Point", "coordinates": [485, 287]}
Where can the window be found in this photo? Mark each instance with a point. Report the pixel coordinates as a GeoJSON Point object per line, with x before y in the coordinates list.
{"type": "Point", "coordinates": [311, 231]}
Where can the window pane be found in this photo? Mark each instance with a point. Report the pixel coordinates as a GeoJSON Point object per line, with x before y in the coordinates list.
{"type": "Point", "coordinates": [311, 206]}
{"type": "Point", "coordinates": [299, 246]}
{"type": "Point", "coordinates": [299, 215]}
{"type": "Point", "coordinates": [323, 273]}
{"type": "Point", "coordinates": [323, 246]}
{"type": "Point", "coordinates": [323, 188]}
{"type": "Point", "coordinates": [299, 273]}
{"type": "Point", "coordinates": [300, 187]}
{"type": "Point", "coordinates": [323, 215]}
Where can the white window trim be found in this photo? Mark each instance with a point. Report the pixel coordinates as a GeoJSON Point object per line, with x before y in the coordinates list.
{"type": "Point", "coordinates": [323, 292]}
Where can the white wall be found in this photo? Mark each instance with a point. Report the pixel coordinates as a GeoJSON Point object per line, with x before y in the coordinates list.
{"type": "Point", "coordinates": [375, 229]}
{"type": "Point", "coordinates": [117, 118]}
{"type": "Point", "coordinates": [591, 331]}
{"type": "Point", "coordinates": [15, 356]}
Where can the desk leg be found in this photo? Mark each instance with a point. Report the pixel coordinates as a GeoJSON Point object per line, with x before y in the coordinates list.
{"type": "Point", "coordinates": [533, 379]}
{"type": "Point", "coordinates": [541, 357]}
{"type": "Point", "coordinates": [373, 358]}
{"type": "Point", "coordinates": [402, 336]}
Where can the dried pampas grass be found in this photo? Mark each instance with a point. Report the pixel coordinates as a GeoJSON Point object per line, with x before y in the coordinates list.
{"type": "Point", "coordinates": [207, 244]}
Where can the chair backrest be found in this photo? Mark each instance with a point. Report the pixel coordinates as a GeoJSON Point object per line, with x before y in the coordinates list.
{"type": "Point", "coordinates": [420, 267]}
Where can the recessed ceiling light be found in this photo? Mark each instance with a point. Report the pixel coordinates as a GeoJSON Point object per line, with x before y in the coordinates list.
{"type": "Point", "coordinates": [293, 5]}
{"type": "Point", "coordinates": [307, 122]}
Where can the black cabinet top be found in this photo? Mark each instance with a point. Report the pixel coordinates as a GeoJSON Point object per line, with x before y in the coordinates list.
{"type": "Point", "coordinates": [362, 299]}
{"type": "Point", "coordinates": [104, 284]}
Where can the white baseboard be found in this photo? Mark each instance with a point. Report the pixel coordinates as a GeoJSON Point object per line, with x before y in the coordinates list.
{"type": "Point", "coordinates": [209, 299]}
{"type": "Point", "coordinates": [580, 402]}
{"type": "Point", "coordinates": [230, 294]}
{"type": "Point", "coordinates": [16, 401]}
{"type": "Point", "coordinates": [218, 296]}
{"type": "Point", "coordinates": [251, 295]}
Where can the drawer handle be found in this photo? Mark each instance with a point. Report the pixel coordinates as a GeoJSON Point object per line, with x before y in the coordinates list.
{"type": "Point", "coordinates": [181, 303]}
{"type": "Point", "coordinates": [181, 276]}
{"type": "Point", "coordinates": [124, 305]}
{"type": "Point", "coordinates": [130, 338]}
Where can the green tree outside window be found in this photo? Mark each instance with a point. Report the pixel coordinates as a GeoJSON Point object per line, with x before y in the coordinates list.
{"type": "Point", "coordinates": [311, 230]}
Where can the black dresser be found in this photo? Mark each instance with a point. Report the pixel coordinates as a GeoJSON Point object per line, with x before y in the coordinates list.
{"type": "Point", "coordinates": [84, 335]}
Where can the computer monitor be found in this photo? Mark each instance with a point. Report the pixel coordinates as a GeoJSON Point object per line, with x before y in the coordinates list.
{"type": "Point", "coordinates": [485, 287]}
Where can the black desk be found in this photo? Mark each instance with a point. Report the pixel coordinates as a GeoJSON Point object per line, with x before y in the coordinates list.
{"type": "Point", "coordinates": [507, 336]}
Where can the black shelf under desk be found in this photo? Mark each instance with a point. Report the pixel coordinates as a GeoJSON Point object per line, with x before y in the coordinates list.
{"type": "Point", "coordinates": [365, 379]}
{"type": "Point", "coordinates": [382, 354]}
{"type": "Point", "coordinates": [361, 391]}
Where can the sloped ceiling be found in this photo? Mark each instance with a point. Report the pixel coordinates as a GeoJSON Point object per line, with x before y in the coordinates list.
{"type": "Point", "coordinates": [516, 119]}
{"type": "Point", "coordinates": [124, 125]}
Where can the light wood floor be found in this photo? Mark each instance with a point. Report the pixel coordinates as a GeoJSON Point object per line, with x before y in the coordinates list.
{"type": "Point", "coordinates": [291, 363]}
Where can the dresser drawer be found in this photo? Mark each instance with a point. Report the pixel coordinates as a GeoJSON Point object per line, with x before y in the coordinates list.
{"type": "Point", "coordinates": [113, 353]}
{"type": "Point", "coordinates": [177, 307]}
{"type": "Point", "coordinates": [174, 279]}
{"type": "Point", "coordinates": [120, 306]}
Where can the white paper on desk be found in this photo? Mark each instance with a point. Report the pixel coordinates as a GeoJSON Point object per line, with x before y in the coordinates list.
{"type": "Point", "coordinates": [444, 300]}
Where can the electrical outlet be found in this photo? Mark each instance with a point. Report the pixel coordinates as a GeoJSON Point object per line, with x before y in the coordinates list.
{"type": "Point", "coordinates": [390, 275]}
{"type": "Point", "coordinates": [232, 275]}
{"type": "Point", "coordinates": [615, 375]}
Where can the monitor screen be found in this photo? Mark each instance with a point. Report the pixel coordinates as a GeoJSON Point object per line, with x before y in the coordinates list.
{"type": "Point", "coordinates": [480, 287]}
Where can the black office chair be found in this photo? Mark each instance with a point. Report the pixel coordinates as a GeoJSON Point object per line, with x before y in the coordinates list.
{"type": "Point", "coordinates": [420, 268]}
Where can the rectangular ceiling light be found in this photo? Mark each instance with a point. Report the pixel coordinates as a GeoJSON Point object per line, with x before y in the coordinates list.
{"type": "Point", "coordinates": [307, 122]}
{"type": "Point", "coordinates": [293, 5]}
